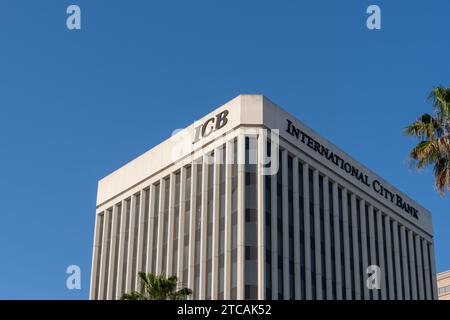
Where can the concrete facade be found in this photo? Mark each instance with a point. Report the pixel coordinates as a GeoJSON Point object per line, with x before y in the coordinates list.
{"type": "Point", "coordinates": [250, 203]}
{"type": "Point", "coordinates": [443, 285]}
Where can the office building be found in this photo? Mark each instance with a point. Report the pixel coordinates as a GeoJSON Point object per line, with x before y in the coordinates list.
{"type": "Point", "coordinates": [250, 203]}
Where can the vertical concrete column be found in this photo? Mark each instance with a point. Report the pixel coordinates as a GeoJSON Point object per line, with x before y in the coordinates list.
{"type": "Point", "coordinates": [412, 264]}
{"type": "Point", "coordinates": [348, 282]}
{"type": "Point", "coordinates": [95, 257]}
{"type": "Point", "coordinates": [365, 258]}
{"type": "Point", "coordinates": [390, 268]}
{"type": "Point", "coordinates": [140, 243]}
{"type": "Point", "coordinates": [379, 222]}
{"type": "Point", "coordinates": [404, 258]}
{"type": "Point", "coordinates": [433, 271]}
{"type": "Point", "coordinates": [191, 273]}
{"type": "Point", "coordinates": [274, 228]}
{"type": "Point", "coordinates": [337, 243]}
{"type": "Point", "coordinates": [216, 231]}
{"type": "Point", "coordinates": [297, 247]}
{"type": "Point", "coordinates": [317, 235]}
{"type": "Point", "coordinates": [397, 261]}
{"type": "Point", "coordinates": [170, 228]}
{"type": "Point", "coordinates": [308, 273]}
{"type": "Point", "coordinates": [355, 244]}
{"type": "Point", "coordinates": [327, 217]}
{"type": "Point", "coordinates": [159, 253]}
{"type": "Point", "coordinates": [121, 258]}
{"type": "Point", "coordinates": [241, 218]}
{"type": "Point", "coordinates": [104, 256]}
{"type": "Point", "coordinates": [261, 217]}
{"type": "Point", "coordinates": [151, 229]}
{"type": "Point", "coordinates": [285, 253]}
{"type": "Point", "coordinates": [129, 273]}
{"type": "Point", "coordinates": [228, 231]}
{"type": "Point", "coordinates": [203, 230]}
{"type": "Point", "coordinates": [419, 267]}
{"type": "Point", "coordinates": [112, 253]}
{"type": "Point", "coordinates": [426, 270]}
{"type": "Point", "coordinates": [373, 259]}
{"type": "Point", "coordinates": [182, 208]}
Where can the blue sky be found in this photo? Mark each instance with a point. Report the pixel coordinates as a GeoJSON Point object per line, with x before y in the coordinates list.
{"type": "Point", "coordinates": [76, 105]}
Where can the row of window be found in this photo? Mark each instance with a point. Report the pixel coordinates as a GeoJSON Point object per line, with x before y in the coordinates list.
{"type": "Point", "coordinates": [359, 235]}
{"type": "Point", "coordinates": [444, 290]}
{"type": "Point", "coordinates": [332, 236]}
{"type": "Point", "coordinates": [155, 214]}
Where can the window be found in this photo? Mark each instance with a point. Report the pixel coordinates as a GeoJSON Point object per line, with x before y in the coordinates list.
{"type": "Point", "coordinates": [394, 264]}
{"type": "Point", "coordinates": [312, 233]}
{"type": "Point", "coordinates": [209, 226]}
{"type": "Point", "coordinates": [408, 262]}
{"type": "Point", "coordinates": [234, 196]}
{"type": "Point", "coordinates": [377, 240]}
{"type": "Point", "coordinates": [350, 229]}
{"type": "Point", "coordinates": [137, 200]}
{"type": "Point", "coordinates": [385, 250]}
{"type": "Point", "coordinates": [176, 212]}
{"type": "Point", "coordinates": [222, 179]}
{"type": "Point", "coordinates": [332, 244]}
{"type": "Point", "coordinates": [416, 264]}
{"type": "Point", "coordinates": [268, 229]}
{"type": "Point", "coordinates": [341, 241]}
{"type": "Point", "coordinates": [291, 228]}
{"type": "Point", "coordinates": [430, 267]}
{"type": "Point", "coordinates": [251, 221]}
{"type": "Point", "coordinates": [369, 254]}
{"type": "Point", "coordinates": [444, 290]}
{"type": "Point", "coordinates": [198, 219]}
{"type": "Point", "coordinates": [424, 270]}
{"type": "Point", "coordinates": [322, 235]}
{"type": "Point", "coordinates": [144, 262]}
{"type": "Point", "coordinates": [125, 250]}
{"type": "Point", "coordinates": [116, 253]}
{"type": "Point", "coordinates": [165, 227]}
{"type": "Point", "coordinates": [99, 253]}
{"type": "Point", "coordinates": [155, 226]}
{"type": "Point", "coordinates": [362, 273]}
{"type": "Point", "coordinates": [107, 251]}
{"type": "Point", "coordinates": [301, 213]}
{"type": "Point", "coordinates": [400, 250]}
{"type": "Point", "coordinates": [187, 214]}
{"type": "Point", "coordinates": [280, 228]}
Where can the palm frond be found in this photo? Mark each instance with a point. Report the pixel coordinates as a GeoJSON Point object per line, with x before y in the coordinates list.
{"type": "Point", "coordinates": [133, 296]}
{"type": "Point", "coordinates": [181, 294]}
{"type": "Point", "coordinates": [424, 127]}
{"type": "Point", "coordinates": [157, 287]}
{"type": "Point", "coordinates": [440, 97]}
{"type": "Point", "coordinates": [433, 132]}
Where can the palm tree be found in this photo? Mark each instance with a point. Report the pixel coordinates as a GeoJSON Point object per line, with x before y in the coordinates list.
{"type": "Point", "coordinates": [433, 132]}
{"type": "Point", "coordinates": [157, 288]}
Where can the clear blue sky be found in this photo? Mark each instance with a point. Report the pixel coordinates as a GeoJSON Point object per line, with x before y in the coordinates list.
{"type": "Point", "coordinates": [76, 105]}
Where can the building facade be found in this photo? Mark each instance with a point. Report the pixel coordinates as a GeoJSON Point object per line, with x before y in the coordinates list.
{"type": "Point", "coordinates": [443, 285]}
{"type": "Point", "coordinates": [249, 203]}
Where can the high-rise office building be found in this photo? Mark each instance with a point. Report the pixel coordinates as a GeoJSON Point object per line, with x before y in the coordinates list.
{"type": "Point", "coordinates": [250, 203]}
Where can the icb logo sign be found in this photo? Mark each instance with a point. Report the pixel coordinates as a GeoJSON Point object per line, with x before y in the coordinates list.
{"type": "Point", "coordinates": [211, 125]}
